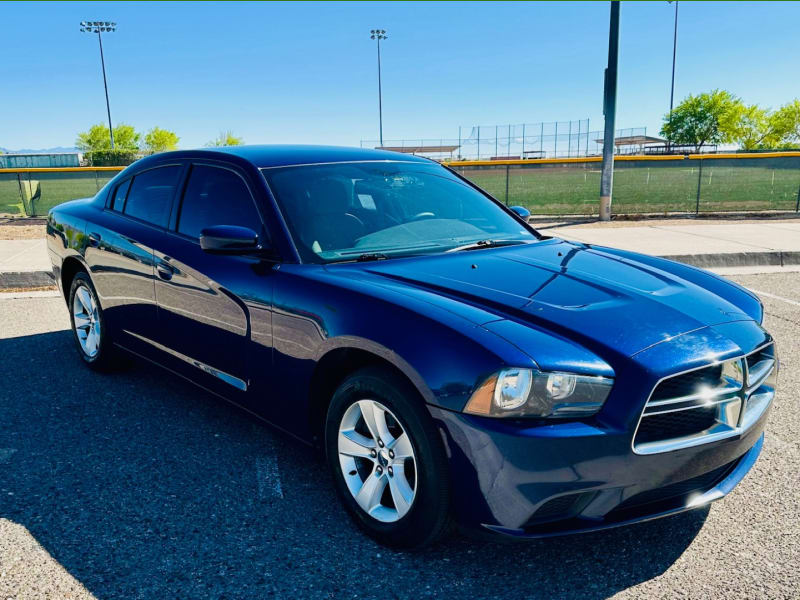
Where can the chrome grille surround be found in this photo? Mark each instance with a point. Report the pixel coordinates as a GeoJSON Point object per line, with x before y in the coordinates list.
{"type": "Point", "coordinates": [737, 405]}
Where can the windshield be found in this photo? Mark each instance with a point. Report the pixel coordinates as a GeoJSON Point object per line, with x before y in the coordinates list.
{"type": "Point", "coordinates": [359, 211]}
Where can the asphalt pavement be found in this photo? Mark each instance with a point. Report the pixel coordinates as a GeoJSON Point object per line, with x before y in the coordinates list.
{"type": "Point", "coordinates": [139, 485]}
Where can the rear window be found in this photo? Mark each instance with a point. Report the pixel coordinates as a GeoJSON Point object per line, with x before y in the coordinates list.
{"type": "Point", "coordinates": [120, 193]}
{"type": "Point", "coordinates": [150, 195]}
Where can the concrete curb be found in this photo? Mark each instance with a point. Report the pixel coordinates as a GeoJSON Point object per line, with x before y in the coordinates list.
{"type": "Point", "coordinates": [777, 258]}
{"type": "Point", "coordinates": [25, 279]}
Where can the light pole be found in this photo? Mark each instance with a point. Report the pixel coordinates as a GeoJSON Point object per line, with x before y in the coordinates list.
{"type": "Point", "coordinates": [674, 52]}
{"type": "Point", "coordinates": [610, 114]}
{"type": "Point", "coordinates": [378, 35]}
{"type": "Point", "coordinates": [99, 27]}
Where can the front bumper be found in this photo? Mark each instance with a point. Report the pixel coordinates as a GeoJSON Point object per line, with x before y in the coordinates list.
{"type": "Point", "coordinates": [547, 480]}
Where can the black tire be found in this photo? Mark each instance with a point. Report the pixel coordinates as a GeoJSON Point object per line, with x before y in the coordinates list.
{"type": "Point", "coordinates": [428, 518]}
{"type": "Point", "coordinates": [108, 356]}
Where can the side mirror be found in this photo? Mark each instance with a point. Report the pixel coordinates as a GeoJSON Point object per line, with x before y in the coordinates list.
{"type": "Point", "coordinates": [229, 239]}
{"type": "Point", "coordinates": [521, 211]}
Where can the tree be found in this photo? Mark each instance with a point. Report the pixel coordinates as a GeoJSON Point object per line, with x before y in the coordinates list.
{"type": "Point", "coordinates": [97, 138]}
{"type": "Point", "coordinates": [754, 128]}
{"type": "Point", "coordinates": [160, 140]}
{"type": "Point", "coordinates": [704, 119]}
{"type": "Point", "coordinates": [226, 138]}
{"type": "Point", "coordinates": [787, 124]}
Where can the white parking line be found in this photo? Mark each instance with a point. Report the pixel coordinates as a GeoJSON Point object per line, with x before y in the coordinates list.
{"type": "Point", "coordinates": [268, 477]}
{"type": "Point", "coordinates": [774, 297]}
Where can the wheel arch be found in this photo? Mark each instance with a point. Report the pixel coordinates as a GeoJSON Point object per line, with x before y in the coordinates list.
{"type": "Point", "coordinates": [71, 265]}
{"type": "Point", "coordinates": [344, 357]}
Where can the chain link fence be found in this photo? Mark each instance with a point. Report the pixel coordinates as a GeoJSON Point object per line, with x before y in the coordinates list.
{"type": "Point", "coordinates": [562, 139]}
{"type": "Point", "coordinates": [756, 183]}
{"type": "Point", "coordinates": [33, 192]}
{"type": "Point", "coordinates": [642, 185]}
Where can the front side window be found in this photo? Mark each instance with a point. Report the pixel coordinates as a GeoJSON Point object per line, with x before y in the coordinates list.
{"type": "Point", "coordinates": [216, 196]}
{"type": "Point", "coordinates": [341, 211]}
{"type": "Point", "coordinates": [150, 195]}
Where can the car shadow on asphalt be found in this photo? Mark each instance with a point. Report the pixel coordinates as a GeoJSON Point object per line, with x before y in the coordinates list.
{"type": "Point", "coordinates": [143, 486]}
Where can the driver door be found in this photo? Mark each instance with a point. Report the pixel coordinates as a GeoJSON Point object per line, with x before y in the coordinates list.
{"type": "Point", "coordinates": [213, 310]}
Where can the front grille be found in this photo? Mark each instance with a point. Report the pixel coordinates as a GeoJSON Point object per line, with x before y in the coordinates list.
{"type": "Point", "coordinates": [676, 424]}
{"type": "Point", "coordinates": [687, 383]}
{"type": "Point", "coordinates": [707, 404]}
{"type": "Point", "coordinates": [681, 489]}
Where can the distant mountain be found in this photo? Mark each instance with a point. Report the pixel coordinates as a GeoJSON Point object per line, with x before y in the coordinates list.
{"type": "Point", "coordinates": [56, 150]}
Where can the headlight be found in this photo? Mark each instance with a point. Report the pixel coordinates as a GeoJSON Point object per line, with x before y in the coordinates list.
{"type": "Point", "coordinates": [529, 393]}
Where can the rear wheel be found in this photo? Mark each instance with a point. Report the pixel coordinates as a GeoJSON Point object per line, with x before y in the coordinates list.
{"type": "Point", "coordinates": [387, 462]}
{"type": "Point", "coordinates": [88, 325]}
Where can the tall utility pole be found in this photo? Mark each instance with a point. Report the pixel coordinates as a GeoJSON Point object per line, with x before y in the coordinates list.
{"type": "Point", "coordinates": [610, 113]}
{"type": "Point", "coordinates": [674, 52]}
{"type": "Point", "coordinates": [378, 35]}
{"type": "Point", "coordinates": [99, 27]}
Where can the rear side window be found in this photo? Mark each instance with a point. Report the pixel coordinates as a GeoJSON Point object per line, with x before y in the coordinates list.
{"type": "Point", "coordinates": [151, 193]}
{"type": "Point", "coordinates": [216, 196]}
{"type": "Point", "coordinates": [121, 191]}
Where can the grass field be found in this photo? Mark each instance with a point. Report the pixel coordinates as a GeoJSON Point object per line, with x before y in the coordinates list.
{"type": "Point", "coordinates": [641, 189]}
{"type": "Point", "coordinates": [551, 189]}
{"type": "Point", "coordinates": [49, 189]}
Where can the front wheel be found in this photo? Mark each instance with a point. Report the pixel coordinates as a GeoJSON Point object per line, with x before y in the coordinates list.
{"type": "Point", "coordinates": [89, 326]}
{"type": "Point", "coordinates": [388, 464]}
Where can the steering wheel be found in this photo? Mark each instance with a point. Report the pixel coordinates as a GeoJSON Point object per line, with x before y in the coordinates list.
{"type": "Point", "coordinates": [423, 215]}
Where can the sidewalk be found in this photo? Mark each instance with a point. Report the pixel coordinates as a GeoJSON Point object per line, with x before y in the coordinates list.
{"type": "Point", "coordinates": [711, 244]}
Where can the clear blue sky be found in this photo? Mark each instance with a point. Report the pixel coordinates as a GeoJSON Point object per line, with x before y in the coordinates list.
{"type": "Point", "coordinates": [306, 72]}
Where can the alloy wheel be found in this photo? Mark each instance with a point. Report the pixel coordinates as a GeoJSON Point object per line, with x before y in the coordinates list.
{"type": "Point", "coordinates": [86, 320]}
{"type": "Point", "coordinates": [377, 461]}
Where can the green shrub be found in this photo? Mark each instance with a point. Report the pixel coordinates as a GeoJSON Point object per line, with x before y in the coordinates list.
{"type": "Point", "coordinates": [112, 158]}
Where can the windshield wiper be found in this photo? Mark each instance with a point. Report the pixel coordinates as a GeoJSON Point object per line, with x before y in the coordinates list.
{"type": "Point", "coordinates": [480, 244]}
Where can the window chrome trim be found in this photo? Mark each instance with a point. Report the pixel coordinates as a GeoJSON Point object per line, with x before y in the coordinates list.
{"type": "Point", "coordinates": [752, 406]}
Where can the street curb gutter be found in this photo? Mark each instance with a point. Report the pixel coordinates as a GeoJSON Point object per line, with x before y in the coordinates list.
{"type": "Point", "coordinates": [26, 279]}
{"type": "Point", "coordinates": [37, 279]}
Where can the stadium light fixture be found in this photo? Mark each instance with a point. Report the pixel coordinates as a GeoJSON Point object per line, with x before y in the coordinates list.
{"type": "Point", "coordinates": [378, 35]}
{"type": "Point", "coordinates": [100, 27]}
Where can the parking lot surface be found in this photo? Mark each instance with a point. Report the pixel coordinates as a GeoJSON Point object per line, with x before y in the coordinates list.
{"type": "Point", "coordinates": [139, 485]}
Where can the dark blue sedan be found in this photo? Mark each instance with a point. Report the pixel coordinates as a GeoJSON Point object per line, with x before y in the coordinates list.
{"type": "Point", "coordinates": [451, 363]}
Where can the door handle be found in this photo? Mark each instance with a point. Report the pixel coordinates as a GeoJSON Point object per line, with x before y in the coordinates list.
{"type": "Point", "coordinates": [94, 240]}
{"type": "Point", "coordinates": [164, 270]}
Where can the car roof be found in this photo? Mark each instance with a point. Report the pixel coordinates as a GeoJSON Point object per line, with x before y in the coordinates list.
{"type": "Point", "coordinates": [287, 155]}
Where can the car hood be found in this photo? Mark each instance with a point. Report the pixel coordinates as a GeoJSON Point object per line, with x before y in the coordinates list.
{"type": "Point", "coordinates": [582, 293]}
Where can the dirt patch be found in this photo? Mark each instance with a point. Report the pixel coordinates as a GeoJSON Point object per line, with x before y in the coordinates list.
{"type": "Point", "coordinates": [21, 232]}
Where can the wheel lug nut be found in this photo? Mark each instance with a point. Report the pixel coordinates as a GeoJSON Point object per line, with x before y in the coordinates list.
{"type": "Point", "coordinates": [391, 453]}
{"type": "Point", "coordinates": [391, 471]}
{"type": "Point", "coordinates": [380, 442]}
{"type": "Point", "coordinates": [379, 470]}
{"type": "Point", "coordinates": [372, 453]}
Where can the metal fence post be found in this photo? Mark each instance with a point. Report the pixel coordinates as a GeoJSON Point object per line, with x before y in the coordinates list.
{"type": "Point", "coordinates": [523, 141]}
{"type": "Point", "coordinates": [797, 206]}
{"type": "Point", "coordinates": [541, 142]}
{"type": "Point", "coordinates": [507, 174]}
{"type": "Point", "coordinates": [555, 143]}
{"type": "Point", "coordinates": [479, 142]}
{"type": "Point", "coordinates": [495, 139]}
{"type": "Point", "coordinates": [699, 182]}
{"type": "Point", "coordinates": [587, 137]}
{"type": "Point", "coordinates": [21, 194]}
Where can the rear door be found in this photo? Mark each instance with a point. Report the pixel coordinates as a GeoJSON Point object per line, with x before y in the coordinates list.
{"type": "Point", "coordinates": [214, 310]}
{"type": "Point", "coordinates": [120, 252]}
